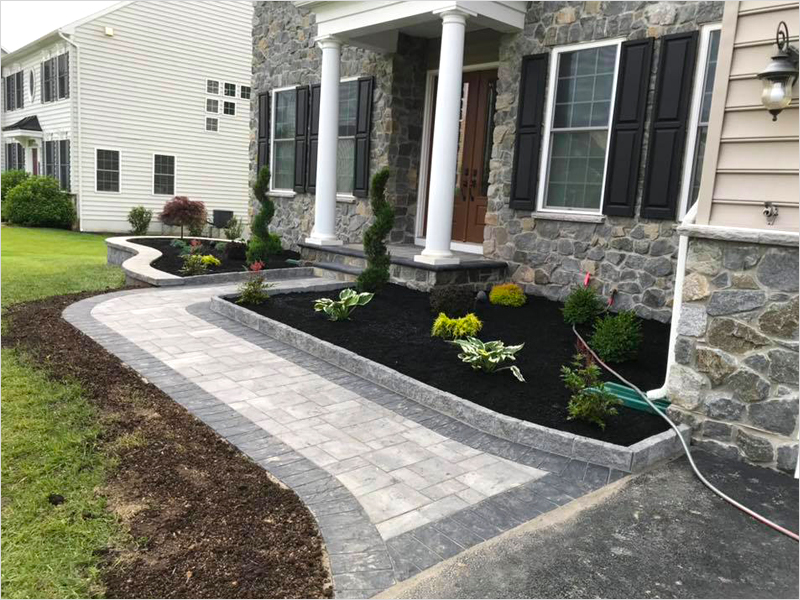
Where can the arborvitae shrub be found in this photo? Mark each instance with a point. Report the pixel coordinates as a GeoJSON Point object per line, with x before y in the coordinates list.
{"type": "Point", "coordinates": [377, 272]}
{"type": "Point", "coordinates": [582, 306]}
{"type": "Point", "coordinates": [617, 338]}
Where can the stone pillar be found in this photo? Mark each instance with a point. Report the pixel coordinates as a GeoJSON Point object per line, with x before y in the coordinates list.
{"type": "Point", "coordinates": [445, 142]}
{"type": "Point", "coordinates": [324, 232]}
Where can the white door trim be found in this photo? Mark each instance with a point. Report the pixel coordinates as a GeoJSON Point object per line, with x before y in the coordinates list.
{"type": "Point", "coordinates": [425, 151]}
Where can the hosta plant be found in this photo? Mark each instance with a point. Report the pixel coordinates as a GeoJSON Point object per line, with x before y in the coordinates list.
{"type": "Point", "coordinates": [254, 291]}
{"type": "Point", "coordinates": [452, 329]}
{"type": "Point", "coordinates": [488, 356]}
{"type": "Point", "coordinates": [590, 401]}
{"type": "Point", "coordinates": [339, 310]}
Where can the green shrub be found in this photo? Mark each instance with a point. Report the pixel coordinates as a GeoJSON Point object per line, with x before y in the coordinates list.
{"type": "Point", "coordinates": [616, 338]}
{"type": "Point", "coordinates": [507, 294]}
{"type": "Point", "coordinates": [39, 202]}
{"type": "Point", "coordinates": [454, 301]}
{"type": "Point", "coordinates": [451, 329]}
{"type": "Point", "coordinates": [220, 247]}
{"type": "Point", "coordinates": [262, 245]}
{"type": "Point", "coordinates": [582, 306]}
{"type": "Point", "coordinates": [340, 310]}
{"type": "Point", "coordinates": [139, 218]}
{"type": "Point", "coordinates": [254, 291]}
{"type": "Point", "coordinates": [234, 229]}
{"type": "Point", "coordinates": [377, 272]}
{"type": "Point", "coordinates": [488, 356]}
{"type": "Point", "coordinates": [10, 180]}
{"type": "Point", "coordinates": [182, 212]}
{"type": "Point", "coordinates": [210, 260]}
{"type": "Point", "coordinates": [590, 401]}
{"type": "Point", "coordinates": [193, 265]}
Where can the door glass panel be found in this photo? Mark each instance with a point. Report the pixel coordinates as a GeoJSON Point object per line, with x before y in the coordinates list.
{"type": "Point", "coordinates": [488, 140]}
{"type": "Point", "coordinates": [462, 133]}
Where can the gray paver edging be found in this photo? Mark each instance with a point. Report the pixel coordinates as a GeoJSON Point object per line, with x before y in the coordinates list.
{"type": "Point", "coordinates": [625, 458]}
{"type": "Point", "coordinates": [136, 260]}
{"type": "Point", "coordinates": [360, 561]}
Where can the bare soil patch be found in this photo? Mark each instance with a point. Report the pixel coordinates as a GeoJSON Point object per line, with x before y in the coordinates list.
{"type": "Point", "coordinates": [206, 521]}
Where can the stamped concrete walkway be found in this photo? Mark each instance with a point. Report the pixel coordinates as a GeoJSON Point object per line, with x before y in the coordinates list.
{"type": "Point", "coordinates": [395, 487]}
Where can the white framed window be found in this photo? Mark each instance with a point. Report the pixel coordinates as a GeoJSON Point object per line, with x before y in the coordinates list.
{"type": "Point", "coordinates": [212, 124]}
{"type": "Point", "coordinates": [212, 86]}
{"type": "Point", "coordinates": [230, 90]}
{"type": "Point", "coordinates": [229, 108]}
{"type": "Point", "coordinates": [164, 174]}
{"type": "Point", "coordinates": [700, 112]}
{"type": "Point", "coordinates": [580, 107]}
{"type": "Point", "coordinates": [212, 105]}
{"type": "Point", "coordinates": [56, 161]}
{"type": "Point", "coordinates": [346, 149]}
{"type": "Point", "coordinates": [244, 92]}
{"type": "Point", "coordinates": [107, 170]}
{"type": "Point", "coordinates": [283, 139]}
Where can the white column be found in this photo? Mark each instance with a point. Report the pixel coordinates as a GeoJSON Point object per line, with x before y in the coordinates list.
{"type": "Point", "coordinates": [324, 232]}
{"type": "Point", "coordinates": [28, 150]}
{"type": "Point", "coordinates": [445, 142]}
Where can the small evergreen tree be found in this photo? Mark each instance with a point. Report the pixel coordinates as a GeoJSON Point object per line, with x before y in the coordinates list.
{"type": "Point", "coordinates": [377, 272]}
{"type": "Point", "coordinates": [262, 243]}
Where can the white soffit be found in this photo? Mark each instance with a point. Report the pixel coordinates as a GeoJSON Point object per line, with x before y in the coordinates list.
{"type": "Point", "coordinates": [375, 24]}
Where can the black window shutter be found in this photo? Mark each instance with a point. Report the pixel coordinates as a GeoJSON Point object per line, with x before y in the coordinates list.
{"type": "Point", "coordinates": [363, 128]}
{"type": "Point", "coordinates": [662, 180]}
{"type": "Point", "coordinates": [528, 139]}
{"type": "Point", "coordinates": [20, 89]}
{"type": "Point", "coordinates": [313, 139]}
{"type": "Point", "coordinates": [301, 137]}
{"type": "Point", "coordinates": [627, 129]}
{"type": "Point", "coordinates": [263, 131]}
{"type": "Point", "coordinates": [64, 164]}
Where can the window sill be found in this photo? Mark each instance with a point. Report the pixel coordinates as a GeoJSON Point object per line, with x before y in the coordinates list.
{"type": "Point", "coordinates": [575, 218]}
{"type": "Point", "coordinates": [282, 193]}
{"type": "Point", "coordinates": [346, 198]}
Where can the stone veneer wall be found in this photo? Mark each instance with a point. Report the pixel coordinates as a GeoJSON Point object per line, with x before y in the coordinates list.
{"type": "Point", "coordinates": [635, 256]}
{"type": "Point", "coordinates": [284, 54]}
{"type": "Point", "coordinates": [736, 377]}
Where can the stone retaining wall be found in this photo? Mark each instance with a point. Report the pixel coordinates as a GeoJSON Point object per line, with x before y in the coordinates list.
{"type": "Point", "coordinates": [736, 377]}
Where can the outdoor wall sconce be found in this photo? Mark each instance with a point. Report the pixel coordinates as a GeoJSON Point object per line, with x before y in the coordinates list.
{"type": "Point", "coordinates": [780, 74]}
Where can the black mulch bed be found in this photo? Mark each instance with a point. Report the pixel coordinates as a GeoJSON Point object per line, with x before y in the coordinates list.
{"type": "Point", "coordinates": [214, 524]}
{"type": "Point", "coordinates": [171, 261]}
{"type": "Point", "coordinates": [394, 330]}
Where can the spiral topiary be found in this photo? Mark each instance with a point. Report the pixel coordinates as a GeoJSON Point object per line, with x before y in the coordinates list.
{"type": "Point", "coordinates": [377, 272]}
{"type": "Point", "coordinates": [262, 243]}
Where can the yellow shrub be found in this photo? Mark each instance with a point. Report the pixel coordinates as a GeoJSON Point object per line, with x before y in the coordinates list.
{"type": "Point", "coordinates": [211, 261]}
{"type": "Point", "coordinates": [452, 329]}
{"type": "Point", "coordinates": [507, 294]}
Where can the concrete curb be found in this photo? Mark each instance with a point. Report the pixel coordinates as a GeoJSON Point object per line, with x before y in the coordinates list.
{"type": "Point", "coordinates": [633, 458]}
{"type": "Point", "coordinates": [136, 259]}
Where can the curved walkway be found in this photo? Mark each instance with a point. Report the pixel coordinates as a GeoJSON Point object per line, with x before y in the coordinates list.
{"type": "Point", "coordinates": [395, 487]}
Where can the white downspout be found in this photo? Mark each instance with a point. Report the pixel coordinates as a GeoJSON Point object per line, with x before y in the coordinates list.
{"type": "Point", "coordinates": [77, 136]}
{"type": "Point", "coordinates": [683, 247]}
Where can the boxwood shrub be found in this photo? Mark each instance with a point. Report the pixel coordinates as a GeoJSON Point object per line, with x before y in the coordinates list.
{"type": "Point", "coordinates": [39, 202]}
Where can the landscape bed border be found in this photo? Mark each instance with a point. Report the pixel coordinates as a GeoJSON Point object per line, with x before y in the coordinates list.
{"type": "Point", "coordinates": [136, 261]}
{"type": "Point", "coordinates": [632, 459]}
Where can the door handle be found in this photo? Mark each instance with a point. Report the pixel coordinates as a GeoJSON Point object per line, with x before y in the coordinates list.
{"type": "Point", "coordinates": [473, 184]}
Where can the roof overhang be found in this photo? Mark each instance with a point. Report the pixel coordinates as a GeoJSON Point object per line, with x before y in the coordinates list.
{"type": "Point", "coordinates": [376, 24]}
{"type": "Point", "coordinates": [23, 136]}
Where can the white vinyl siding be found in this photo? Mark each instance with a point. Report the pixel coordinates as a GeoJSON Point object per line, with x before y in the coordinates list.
{"type": "Point", "coordinates": [578, 123]}
{"type": "Point", "coordinates": [144, 92]}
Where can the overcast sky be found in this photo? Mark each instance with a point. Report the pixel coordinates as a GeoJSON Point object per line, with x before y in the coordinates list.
{"type": "Point", "coordinates": [23, 21]}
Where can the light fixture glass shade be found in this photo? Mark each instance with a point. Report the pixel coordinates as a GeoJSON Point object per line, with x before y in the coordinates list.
{"type": "Point", "coordinates": [776, 93]}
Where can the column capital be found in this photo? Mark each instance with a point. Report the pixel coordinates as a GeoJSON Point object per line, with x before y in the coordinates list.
{"type": "Point", "coordinates": [328, 41]}
{"type": "Point", "coordinates": [454, 14]}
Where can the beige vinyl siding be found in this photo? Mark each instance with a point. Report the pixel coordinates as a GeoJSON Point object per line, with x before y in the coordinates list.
{"type": "Point", "coordinates": [750, 159]}
{"type": "Point", "coordinates": [143, 93]}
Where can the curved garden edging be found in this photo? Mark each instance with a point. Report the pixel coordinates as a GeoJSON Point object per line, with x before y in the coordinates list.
{"type": "Point", "coordinates": [135, 260]}
{"type": "Point", "coordinates": [625, 458]}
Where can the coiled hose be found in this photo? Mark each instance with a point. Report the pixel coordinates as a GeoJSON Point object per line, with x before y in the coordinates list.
{"type": "Point", "coordinates": [697, 472]}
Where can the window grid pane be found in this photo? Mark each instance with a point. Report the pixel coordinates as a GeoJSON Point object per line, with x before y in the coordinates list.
{"type": "Point", "coordinates": [284, 115]}
{"type": "Point", "coordinates": [244, 92]}
{"type": "Point", "coordinates": [212, 105]}
{"type": "Point", "coordinates": [107, 171]}
{"type": "Point", "coordinates": [348, 108]}
{"type": "Point", "coordinates": [230, 89]}
{"type": "Point", "coordinates": [212, 87]}
{"type": "Point", "coordinates": [345, 165]}
{"type": "Point", "coordinates": [284, 164]}
{"type": "Point", "coordinates": [212, 124]}
{"type": "Point", "coordinates": [229, 108]}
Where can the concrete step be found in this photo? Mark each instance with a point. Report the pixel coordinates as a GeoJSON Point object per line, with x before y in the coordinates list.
{"type": "Point", "coordinates": [337, 267]}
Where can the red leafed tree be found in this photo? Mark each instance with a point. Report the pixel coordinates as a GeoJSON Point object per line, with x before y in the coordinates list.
{"type": "Point", "coordinates": [181, 211]}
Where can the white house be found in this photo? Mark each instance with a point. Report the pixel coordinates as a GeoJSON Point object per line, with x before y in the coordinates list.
{"type": "Point", "coordinates": [133, 105]}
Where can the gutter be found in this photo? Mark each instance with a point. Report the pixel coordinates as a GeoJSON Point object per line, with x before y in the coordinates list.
{"type": "Point", "coordinates": [78, 136]}
{"type": "Point", "coordinates": [677, 302]}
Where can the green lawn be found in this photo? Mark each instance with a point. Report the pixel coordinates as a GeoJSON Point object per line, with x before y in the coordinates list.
{"type": "Point", "coordinates": [49, 433]}
{"type": "Point", "coordinates": [45, 262]}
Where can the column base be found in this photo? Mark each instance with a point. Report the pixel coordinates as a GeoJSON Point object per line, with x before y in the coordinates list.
{"type": "Point", "coordinates": [323, 241]}
{"type": "Point", "coordinates": [436, 260]}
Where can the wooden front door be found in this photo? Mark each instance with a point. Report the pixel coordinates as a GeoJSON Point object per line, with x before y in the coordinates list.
{"type": "Point", "coordinates": [474, 152]}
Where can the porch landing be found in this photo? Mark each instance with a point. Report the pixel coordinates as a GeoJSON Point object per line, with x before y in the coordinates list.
{"type": "Point", "coordinates": [347, 261]}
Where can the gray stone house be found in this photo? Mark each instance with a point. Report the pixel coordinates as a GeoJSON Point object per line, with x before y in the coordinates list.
{"type": "Point", "coordinates": [536, 142]}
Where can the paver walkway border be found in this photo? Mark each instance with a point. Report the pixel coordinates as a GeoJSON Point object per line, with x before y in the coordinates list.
{"type": "Point", "coordinates": [362, 563]}
{"type": "Point", "coordinates": [634, 458]}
